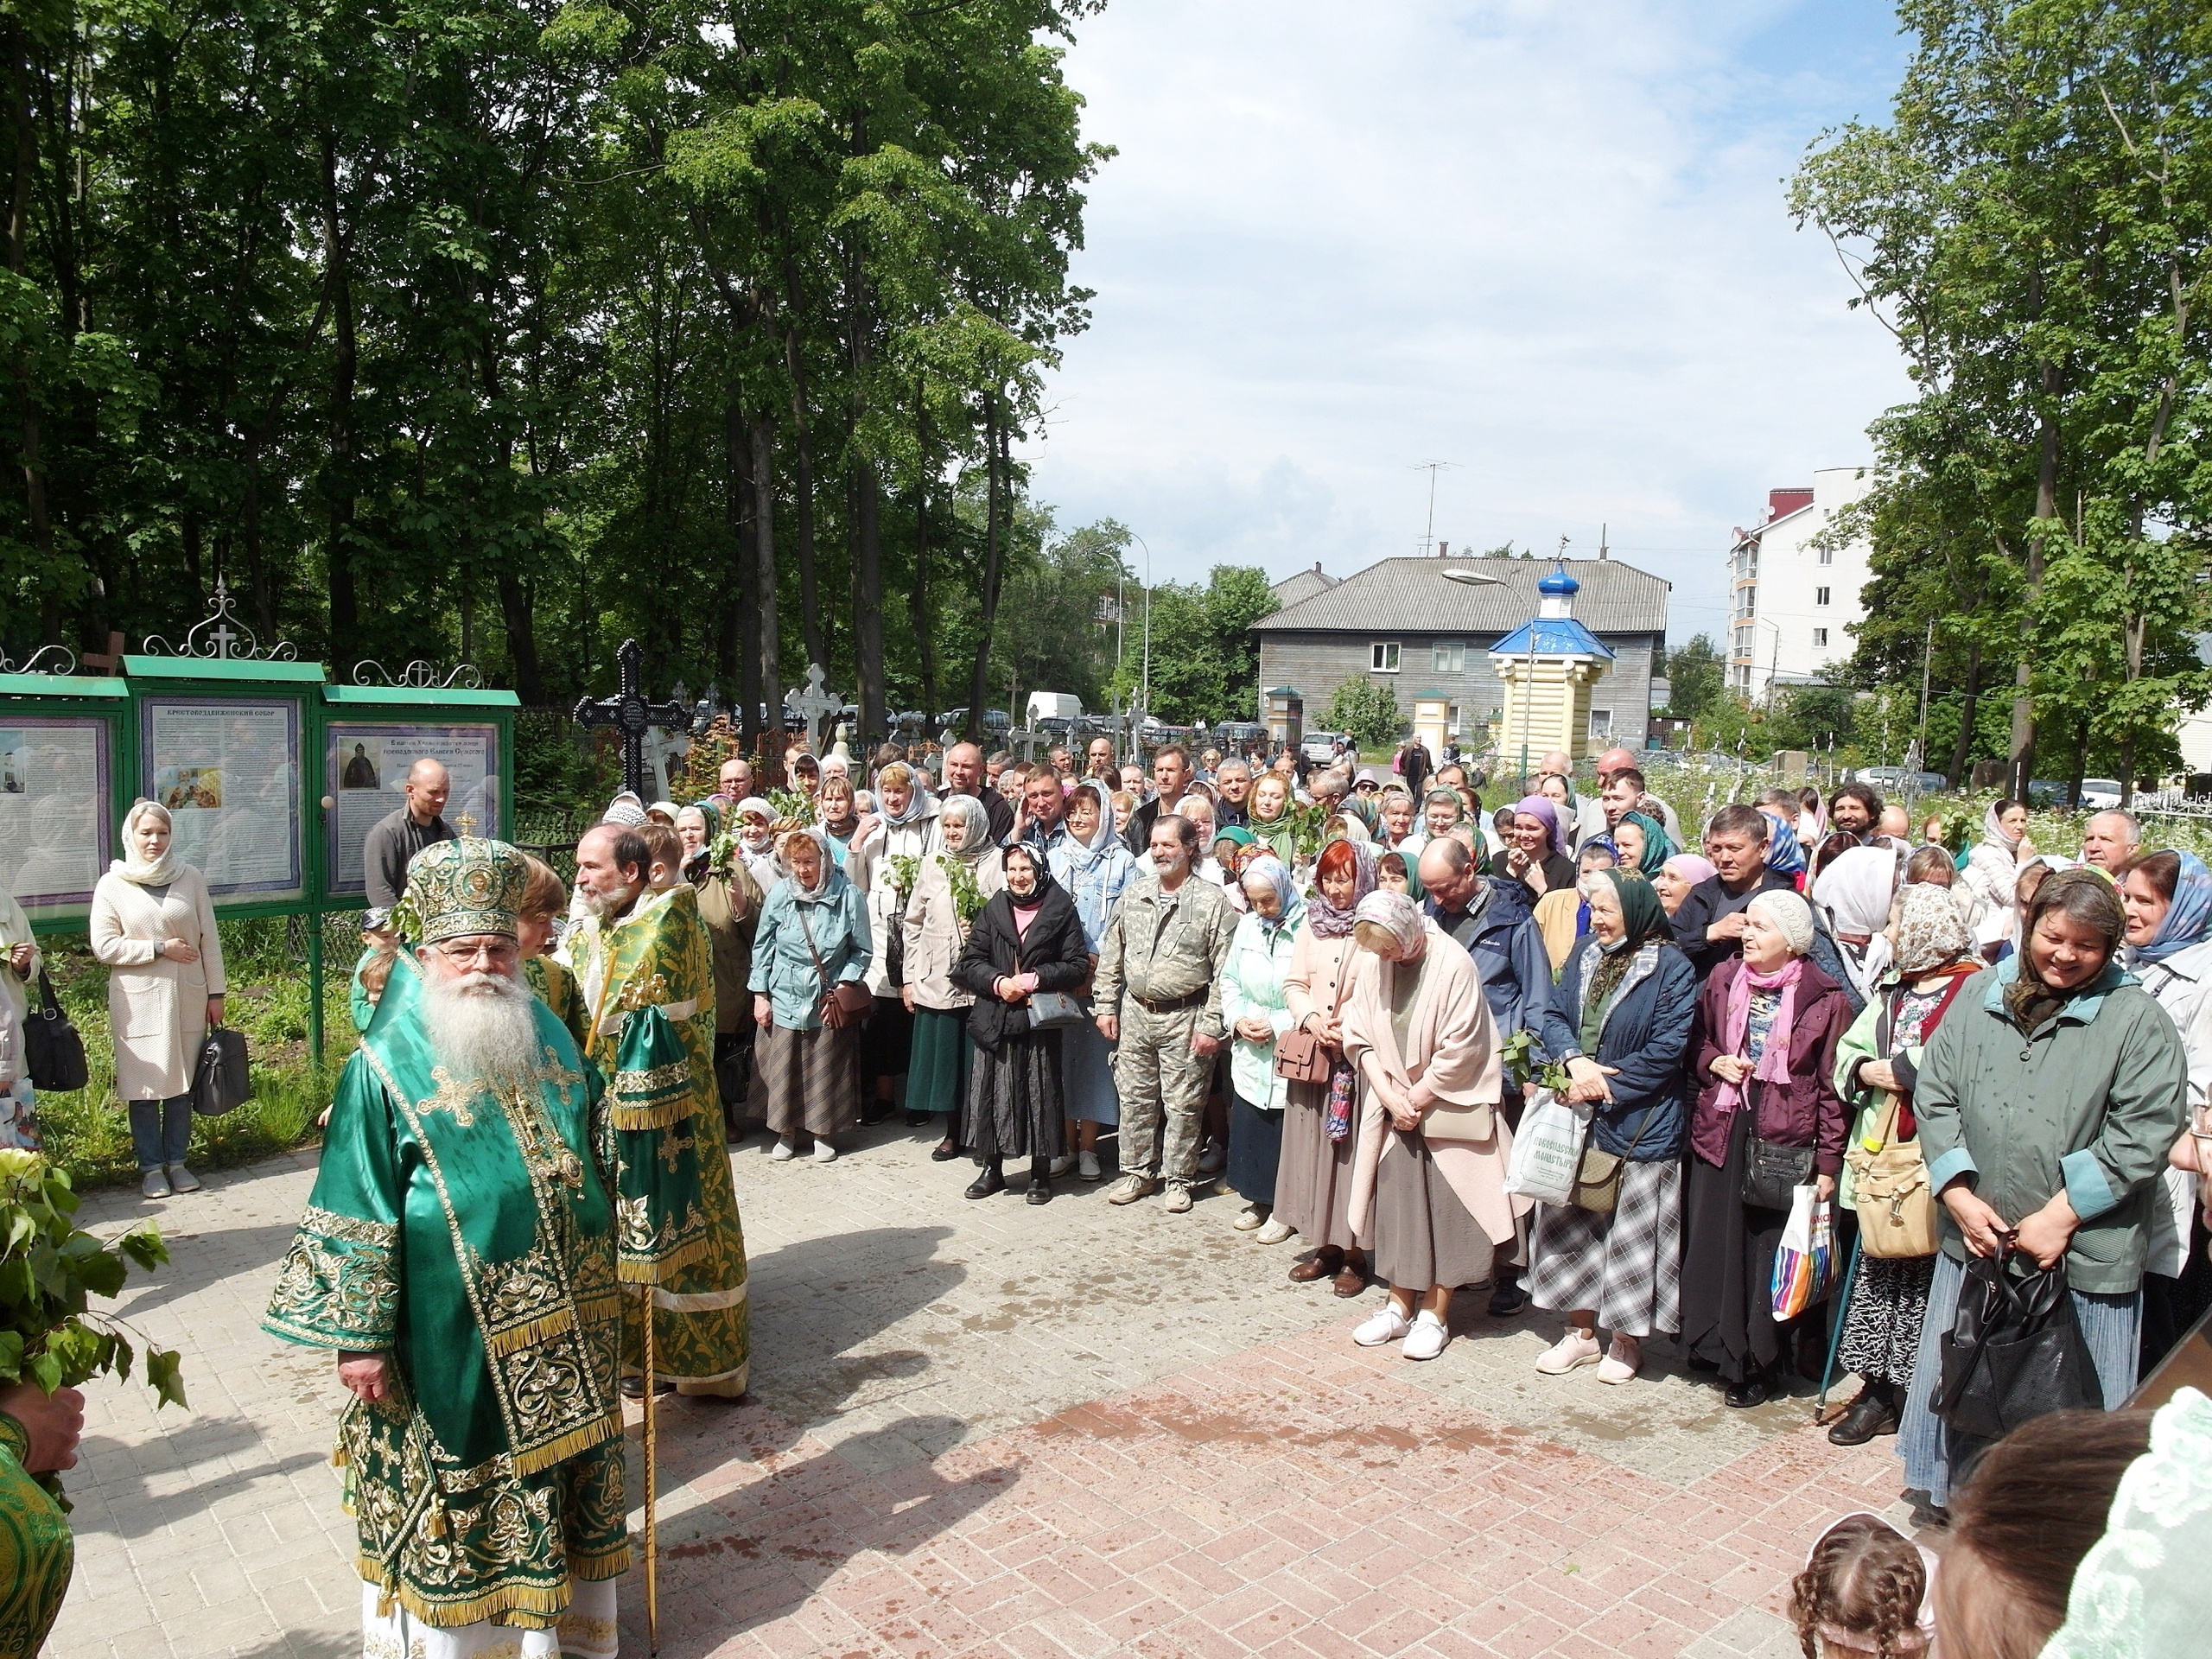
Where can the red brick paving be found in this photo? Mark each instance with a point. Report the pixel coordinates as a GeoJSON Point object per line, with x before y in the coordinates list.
{"type": "Point", "coordinates": [1299, 1501]}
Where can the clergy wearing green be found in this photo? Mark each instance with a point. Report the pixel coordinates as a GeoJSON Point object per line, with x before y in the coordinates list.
{"type": "Point", "coordinates": [458, 1254]}
{"type": "Point", "coordinates": [647, 971]}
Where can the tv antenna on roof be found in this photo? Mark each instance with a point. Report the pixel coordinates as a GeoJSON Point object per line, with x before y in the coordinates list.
{"type": "Point", "coordinates": [1432, 467]}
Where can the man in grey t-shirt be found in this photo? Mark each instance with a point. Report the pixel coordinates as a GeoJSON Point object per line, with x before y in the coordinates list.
{"type": "Point", "coordinates": [393, 842]}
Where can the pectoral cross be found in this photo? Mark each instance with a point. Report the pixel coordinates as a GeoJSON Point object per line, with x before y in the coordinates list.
{"type": "Point", "coordinates": [631, 715]}
{"type": "Point", "coordinates": [467, 823]}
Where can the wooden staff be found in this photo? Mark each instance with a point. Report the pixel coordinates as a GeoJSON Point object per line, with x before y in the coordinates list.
{"type": "Point", "coordinates": [652, 1576]}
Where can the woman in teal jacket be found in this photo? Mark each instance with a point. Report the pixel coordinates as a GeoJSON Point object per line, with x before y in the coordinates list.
{"type": "Point", "coordinates": [2047, 1103]}
{"type": "Point", "coordinates": [813, 935]}
{"type": "Point", "coordinates": [1253, 1008]}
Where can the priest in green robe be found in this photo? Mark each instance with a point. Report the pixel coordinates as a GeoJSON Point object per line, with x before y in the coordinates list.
{"type": "Point", "coordinates": [458, 1255]}
{"type": "Point", "coordinates": [647, 970]}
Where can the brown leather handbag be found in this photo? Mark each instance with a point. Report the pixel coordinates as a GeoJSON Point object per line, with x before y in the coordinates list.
{"type": "Point", "coordinates": [1301, 1056]}
{"type": "Point", "coordinates": [847, 1002]}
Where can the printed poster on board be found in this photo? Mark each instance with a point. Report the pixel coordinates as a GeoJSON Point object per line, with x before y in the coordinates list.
{"type": "Point", "coordinates": [366, 764]}
{"type": "Point", "coordinates": [228, 770]}
{"type": "Point", "coordinates": [55, 839]}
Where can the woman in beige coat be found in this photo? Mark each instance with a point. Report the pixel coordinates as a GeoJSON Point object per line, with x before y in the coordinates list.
{"type": "Point", "coordinates": [152, 925]}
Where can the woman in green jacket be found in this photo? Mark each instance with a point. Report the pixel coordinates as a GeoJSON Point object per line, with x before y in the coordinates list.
{"type": "Point", "coordinates": [2047, 1103]}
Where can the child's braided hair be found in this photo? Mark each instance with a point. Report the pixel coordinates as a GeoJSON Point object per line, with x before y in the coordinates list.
{"type": "Point", "coordinates": [1863, 1577]}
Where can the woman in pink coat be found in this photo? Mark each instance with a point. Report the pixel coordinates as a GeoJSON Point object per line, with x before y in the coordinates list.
{"type": "Point", "coordinates": [1428, 1180]}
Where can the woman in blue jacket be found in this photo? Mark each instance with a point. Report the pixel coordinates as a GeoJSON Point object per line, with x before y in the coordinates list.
{"type": "Point", "coordinates": [812, 937]}
{"type": "Point", "coordinates": [1620, 1018]}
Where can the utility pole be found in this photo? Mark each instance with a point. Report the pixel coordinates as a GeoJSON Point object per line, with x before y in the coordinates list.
{"type": "Point", "coordinates": [1927, 662]}
{"type": "Point", "coordinates": [1432, 467]}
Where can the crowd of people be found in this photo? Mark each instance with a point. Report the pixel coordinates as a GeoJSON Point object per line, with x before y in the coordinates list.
{"type": "Point", "coordinates": [1339, 992]}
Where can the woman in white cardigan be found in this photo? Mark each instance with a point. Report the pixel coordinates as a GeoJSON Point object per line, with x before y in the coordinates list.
{"type": "Point", "coordinates": [154, 927]}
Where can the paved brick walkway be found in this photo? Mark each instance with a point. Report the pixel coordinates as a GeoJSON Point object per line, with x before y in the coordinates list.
{"type": "Point", "coordinates": [1004, 1430]}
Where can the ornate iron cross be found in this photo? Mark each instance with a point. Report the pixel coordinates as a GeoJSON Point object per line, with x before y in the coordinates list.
{"type": "Point", "coordinates": [631, 715]}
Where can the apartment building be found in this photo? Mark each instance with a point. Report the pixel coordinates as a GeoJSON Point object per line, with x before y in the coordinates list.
{"type": "Point", "coordinates": [1795, 599]}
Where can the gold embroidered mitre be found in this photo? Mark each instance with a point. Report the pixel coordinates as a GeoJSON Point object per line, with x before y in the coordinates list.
{"type": "Point", "coordinates": [467, 887]}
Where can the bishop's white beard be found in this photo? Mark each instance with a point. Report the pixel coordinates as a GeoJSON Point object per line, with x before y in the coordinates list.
{"type": "Point", "coordinates": [482, 1029]}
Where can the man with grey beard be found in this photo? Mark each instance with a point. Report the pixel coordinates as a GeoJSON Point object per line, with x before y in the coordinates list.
{"type": "Point", "coordinates": [458, 1256]}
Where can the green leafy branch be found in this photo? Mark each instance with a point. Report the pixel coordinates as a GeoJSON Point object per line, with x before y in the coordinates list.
{"type": "Point", "coordinates": [968, 899]}
{"type": "Point", "coordinates": [49, 1270]}
{"type": "Point", "coordinates": [1523, 1058]}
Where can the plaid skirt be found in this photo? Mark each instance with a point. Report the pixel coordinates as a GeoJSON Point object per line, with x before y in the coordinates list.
{"type": "Point", "coordinates": [811, 1080]}
{"type": "Point", "coordinates": [1627, 1266]}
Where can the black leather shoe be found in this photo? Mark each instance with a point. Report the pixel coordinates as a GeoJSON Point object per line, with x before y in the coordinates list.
{"type": "Point", "coordinates": [918, 1120]}
{"type": "Point", "coordinates": [633, 1387]}
{"type": "Point", "coordinates": [945, 1151]}
{"type": "Point", "coordinates": [1507, 1300]}
{"type": "Point", "coordinates": [1754, 1390]}
{"type": "Point", "coordinates": [1870, 1414]}
{"type": "Point", "coordinates": [1040, 1192]}
{"type": "Point", "coordinates": [984, 1185]}
{"type": "Point", "coordinates": [878, 1113]}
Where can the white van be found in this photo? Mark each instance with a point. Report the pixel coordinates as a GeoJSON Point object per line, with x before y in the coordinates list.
{"type": "Point", "coordinates": [1054, 705]}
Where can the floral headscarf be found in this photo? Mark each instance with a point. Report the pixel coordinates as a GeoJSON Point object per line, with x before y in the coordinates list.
{"type": "Point", "coordinates": [1930, 932]}
{"type": "Point", "coordinates": [2189, 919]}
{"type": "Point", "coordinates": [1328, 921]}
{"type": "Point", "coordinates": [1396, 912]}
{"type": "Point", "coordinates": [1784, 855]}
{"type": "Point", "coordinates": [1272, 870]}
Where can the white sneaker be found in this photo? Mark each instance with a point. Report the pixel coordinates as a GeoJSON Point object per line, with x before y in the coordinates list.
{"type": "Point", "coordinates": [1385, 1324]}
{"type": "Point", "coordinates": [1178, 1198]}
{"type": "Point", "coordinates": [1061, 1164]}
{"type": "Point", "coordinates": [784, 1150]}
{"type": "Point", "coordinates": [1427, 1339]}
{"type": "Point", "coordinates": [1250, 1217]}
{"type": "Point", "coordinates": [1575, 1348]}
{"type": "Point", "coordinates": [1622, 1361]}
{"type": "Point", "coordinates": [1086, 1166]}
{"type": "Point", "coordinates": [1275, 1232]}
{"type": "Point", "coordinates": [824, 1151]}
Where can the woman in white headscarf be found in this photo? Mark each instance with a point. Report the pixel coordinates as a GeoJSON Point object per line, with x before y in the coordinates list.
{"type": "Point", "coordinates": [1093, 865]}
{"type": "Point", "coordinates": [1992, 870]}
{"type": "Point", "coordinates": [902, 831]}
{"type": "Point", "coordinates": [1855, 890]}
{"type": "Point", "coordinates": [153, 925]}
{"type": "Point", "coordinates": [1428, 1180]}
{"type": "Point", "coordinates": [753, 821]}
{"type": "Point", "coordinates": [812, 937]}
{"type": "Point", "coordinates": [940, 1057]}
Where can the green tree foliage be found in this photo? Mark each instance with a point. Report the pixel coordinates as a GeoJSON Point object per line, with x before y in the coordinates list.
{"type": "Point", "coordinates": [1205, 663]}
{"type": "Point", "coordinates": [502, 330]}
{"type": "Point", "coordinates": [2035, 226]}
{"type": "Point", "coordinates": [1365, 711]}
{"type": "Point", "coordinates": [1695, 674]}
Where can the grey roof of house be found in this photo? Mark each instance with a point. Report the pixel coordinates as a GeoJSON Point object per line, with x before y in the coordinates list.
{"type": "Point", "coordinates": [1298, 587]}
{"type": "Point", "coordinates": [1410, 596]}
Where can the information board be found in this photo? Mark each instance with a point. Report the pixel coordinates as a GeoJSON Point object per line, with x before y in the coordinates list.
{"type": "Point", "coordinates": [365, 768]}
{"type": "Point", "coordinates": [55, 840]}
{"type": "Point", "coordinates": [228, 769]}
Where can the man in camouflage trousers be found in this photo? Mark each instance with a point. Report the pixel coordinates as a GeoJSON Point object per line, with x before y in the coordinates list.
{"type": "Point", "coordinates": [1158, 995]}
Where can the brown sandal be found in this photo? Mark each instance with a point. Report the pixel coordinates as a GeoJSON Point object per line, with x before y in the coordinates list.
{"type": "Point", "coordinates": [1320, 1265]}
{"type": "Point", "coordinates": [1353, 1279]}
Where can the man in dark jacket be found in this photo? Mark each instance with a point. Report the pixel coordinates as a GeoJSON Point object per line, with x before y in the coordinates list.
{"type": "Point", "coordinates": [1171, 781]}
{"type": "Point", "coordinates": [1709, 926]}
{"type": "Point", "coordinates": [392, 842]}
{"type": "Point", "coordinates": [1491, 920]}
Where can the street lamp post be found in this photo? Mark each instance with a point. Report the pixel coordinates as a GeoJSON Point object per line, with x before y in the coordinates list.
{"type": "Point", "coordinates": [1467, 578]}
{"type": "Point", "coordinates": [1144, 697]}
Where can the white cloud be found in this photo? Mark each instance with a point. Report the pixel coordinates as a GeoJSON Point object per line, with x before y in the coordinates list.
{"type": "Point", "coordinates": [1545, 242]}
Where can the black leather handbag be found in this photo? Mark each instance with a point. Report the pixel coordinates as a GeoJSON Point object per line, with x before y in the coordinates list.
{"type": "Point", "coordinates": [1770, 1170]}
{"type": "Point", "coordinates": [55, 1050]}
{"type": "Point", "coordinates": [223, 1081]}
{"type": "Point", "coordinates": [2014, 1351]}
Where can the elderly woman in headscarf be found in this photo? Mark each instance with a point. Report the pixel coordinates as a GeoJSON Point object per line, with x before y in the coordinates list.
{"type": "Point", "coordinates": [893, 839]}
{"type": "Point", "coordinates": [1313, 1179]}
{"type": "Point", "coordinates": [1440, 808]}
{"type": "Point", "coordinates": [1254, 1008]}
{"type": "Point", "coordinates": [1093, 865]}
{"type": "Point", "coordinates": [2167, 898]}
{"type": "Point", "coordinates": [1027, 941]}
{"type": "Point", "coordinates": [729, 904]}
{"type": "Point", "coordinates": [752, 822]}
{"type": "Point", "coordinates": [1678, 875]}
{"type": "Point", "coordinates": [812, 937]}
{"type": "Point", "coordinates": [1538, 858]}
{"type": "Point", "coordinates": [941, 1057]}
{"type": "Point", "coordinates": [1855, 890]}
{"type": "Point", "coordinates": [1768, 1028]}
{"type": "Point", "coordinates": [1785, 853]}
{"type": "Point", "coordinates": [153, 925]}
{"type": "Point", "coordinates": [1930, 955]}
{"type": "Point", "coordinates": [1620, 1021]}
{"type": "Point", "coordinates": [1992, 870]}
{"type": "Point", "coordinates": [1642, 844]}
{"type": "Point", "coordinates": [1429, 1179]}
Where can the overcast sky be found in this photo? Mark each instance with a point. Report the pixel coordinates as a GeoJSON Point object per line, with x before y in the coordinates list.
{"type": "Point", "coordinates": [1543, 240]}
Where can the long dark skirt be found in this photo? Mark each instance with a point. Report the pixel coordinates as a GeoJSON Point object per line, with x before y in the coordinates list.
{"type": "Point", "coordinates": [1014, 1100]}
{"type": "Point", "coordinates": [886, 1048]}
{"type": "Point", "coordinates": [939, 1061]}
{"type": "Point", "coordinates": [1423, 1236]}
{"type": "Point", "coordinates": [1313, 1179]}
{"type": "Point", "coordinates": [811, 1079]}
{"type": "Point", "coordinates": [2171, 1307]}
{"type": "Point", "coordinates": [1254, 1150]}
{"type": "Point", "coordinates": [1728, 1268]}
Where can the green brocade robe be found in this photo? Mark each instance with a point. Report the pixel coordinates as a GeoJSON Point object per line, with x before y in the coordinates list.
{"type": "Point", "coordinates": [649, 980]}
{"type": "Point", "coordinates": [37, 1551]}
{"type": "Point", "coordinates": [471, 1237]}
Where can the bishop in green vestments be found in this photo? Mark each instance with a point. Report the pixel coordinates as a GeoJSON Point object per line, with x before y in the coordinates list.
{"type": "Point", "coordinates": [459, 1255]}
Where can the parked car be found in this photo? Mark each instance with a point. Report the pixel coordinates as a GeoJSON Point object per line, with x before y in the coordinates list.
{"type": "Point", "coordinates": [1320, 747]}
{"type": "Point", "coordinates": [2101, 794]}
{"type": "Point", "coordinates": [1896, 780]}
